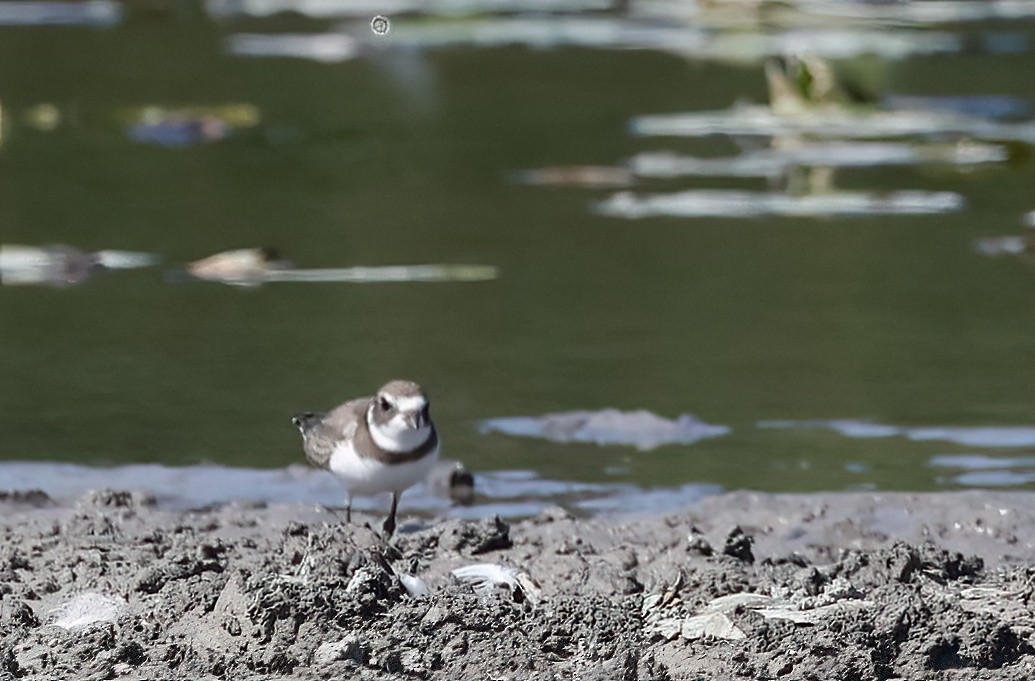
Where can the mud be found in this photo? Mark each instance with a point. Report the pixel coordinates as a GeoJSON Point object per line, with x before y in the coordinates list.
{"type": "Point", "coordinates": [832, 586]}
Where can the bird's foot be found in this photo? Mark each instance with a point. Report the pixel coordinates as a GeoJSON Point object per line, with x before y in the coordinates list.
{"type": "Point", "coordinates": [388, 529]}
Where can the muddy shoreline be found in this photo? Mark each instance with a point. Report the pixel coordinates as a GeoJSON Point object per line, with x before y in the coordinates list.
{"type": "Point", "coordinates": [819, 586]}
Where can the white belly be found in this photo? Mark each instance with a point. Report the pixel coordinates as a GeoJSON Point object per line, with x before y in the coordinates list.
{"type": "Point", "coordinates": [368, 476]}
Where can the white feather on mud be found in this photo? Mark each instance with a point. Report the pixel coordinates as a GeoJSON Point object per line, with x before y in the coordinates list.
{"type": "Point", "coordinates": [486, 578]}
{"type": "Point", "coordinates": [665, 613]}
{"type": "Point", "coordinates": [414, 585]}
{"type": "Point", "coordinates": [86, 609]}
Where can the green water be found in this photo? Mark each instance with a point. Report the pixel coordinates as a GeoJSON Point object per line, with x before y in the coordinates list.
{"type": "Point", "coordinates": [893, 319]}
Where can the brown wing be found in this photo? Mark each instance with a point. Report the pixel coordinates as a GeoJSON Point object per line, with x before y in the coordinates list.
{"type": "Point", "coordinates": [340, 424]}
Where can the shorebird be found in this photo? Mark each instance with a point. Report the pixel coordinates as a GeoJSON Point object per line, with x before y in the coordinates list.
{"type": "Point", "coordinates": [385, 443]}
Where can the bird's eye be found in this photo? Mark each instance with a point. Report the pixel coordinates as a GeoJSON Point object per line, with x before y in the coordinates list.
{"type": "Point", "coordinates": [385, 406]}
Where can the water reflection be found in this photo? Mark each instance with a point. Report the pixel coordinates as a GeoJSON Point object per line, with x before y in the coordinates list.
{"type": "Point", "coordinates": [43, 117]}
{"type": "Point", "coordinates": [1003, 245]}
{"type": "Point", "coordinates": [336, 9]}
{"type": "Point", "coordinates": [254, 266]}
{"type": "Point", "coordinates": [831, 123]}
{"type": "Point", "coordinates": [892, 16]}
{"type": "Point", "coordinates": [981, 106]}
{"type": "Point", "coordinates": [372, 176]}
{"type": "Point", "coordinates": [640, 429]}
{"type": "Point", "coordinates": [62, 265]}
{"type": "Point", "coordinates": [806, 100]}
{"type": "Point", "coordinates": [321, 47]}
{"type": "Point", "coordinates": [576, 176]}
{"type": "Point", "coordinates": [688, 39]}
{"type": "Point", "coordinates": [735, 32]}
{"type": "Point", "coordinates": [743, 204]}
{"type": "Point", "coordinates": [190, 126]}
{"type": "Point", "coordinates": [785, 155]}
{"type": "Point", "coordinates": [813, 125]}
{"type": "Point", "coordinates": [714, 15]}
{"type": "Point", "coordinates": [508, 493]}
{"type": "Point", "coordinates": [152, 124]}
{"type": "Point", "coordinates": [926, 12]}
{"type": "Point", "coordinates": [978, 470]}
{"type": "Point", "coordinates": [97, 13]}
{"type": "Point", "coordinates": [387, 273]}
{"type": "Point", "coordinates": [1013, 244]}
{"type": "Point", "coordinates": [240, 267]}
{"type": "Point", "coordinates": [973, 436]}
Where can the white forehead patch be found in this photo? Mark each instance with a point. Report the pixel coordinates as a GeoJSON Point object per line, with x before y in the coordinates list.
{"type": "Point", "coordinates": [410, 403]}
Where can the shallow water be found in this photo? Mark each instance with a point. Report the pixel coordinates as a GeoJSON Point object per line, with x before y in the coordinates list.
{"type": "Point", "coordinates": [509, 493]}
{"type": "Point", "coordinates": [402, 157]}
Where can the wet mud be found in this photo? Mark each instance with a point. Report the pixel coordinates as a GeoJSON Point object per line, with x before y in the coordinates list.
{"type": "Point", "coordinates": [831, 586]}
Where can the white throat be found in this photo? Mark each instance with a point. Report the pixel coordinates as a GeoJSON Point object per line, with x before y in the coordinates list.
{"type": "Point", "coordinates": [396, 435]}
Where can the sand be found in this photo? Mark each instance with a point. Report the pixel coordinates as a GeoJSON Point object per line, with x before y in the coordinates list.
{"type": "Point", "coordinates": [826, 586]}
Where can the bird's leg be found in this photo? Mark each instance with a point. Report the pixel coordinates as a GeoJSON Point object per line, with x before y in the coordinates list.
{"type": "Point", "coordinates": [389, 526]}
{"type": "Point", "coordinates": [348, 509]}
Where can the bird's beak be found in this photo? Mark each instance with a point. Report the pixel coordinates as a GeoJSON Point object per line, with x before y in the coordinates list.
{"type": "Point", "coordinates": [414, 420]}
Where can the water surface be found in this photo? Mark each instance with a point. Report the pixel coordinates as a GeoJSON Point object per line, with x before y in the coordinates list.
{"type": "Point", "coordinates": [400, 157]}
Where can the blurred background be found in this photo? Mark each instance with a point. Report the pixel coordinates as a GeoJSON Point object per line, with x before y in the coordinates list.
{"type": "Point", "coordinates": [806, 224]}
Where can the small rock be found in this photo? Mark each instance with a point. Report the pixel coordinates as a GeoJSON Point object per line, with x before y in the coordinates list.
{"type": "Point", "coordinates": [697, 543]}
{"type": "Point", "coordinates": [412, 661]}
{"type": "Point", "coordinates": [435, 616]}
{"type": "Point", "coordinates": [16, 613]}
{"type": "Point", "coordinates": [110, 498]}
{"type": "Point", "coordinates": [738, 545]}
{"type": "Point", "coordinates": [456, 648]}
{"type": "Point", "coordinates": [36, 498]}
{"type": "Point", "coordinates": [552, 514]}
{"type": "Point", "coordinates": [348, 648]}
{"type": "Point", "coordinates": [470, 538]}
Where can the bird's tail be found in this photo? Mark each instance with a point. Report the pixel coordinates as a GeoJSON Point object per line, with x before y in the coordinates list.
{"type": "Point", "coordinates": [307, 420]}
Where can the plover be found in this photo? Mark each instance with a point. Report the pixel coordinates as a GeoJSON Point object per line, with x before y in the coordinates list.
{"type": "Point", "coordinates": [385, 443]}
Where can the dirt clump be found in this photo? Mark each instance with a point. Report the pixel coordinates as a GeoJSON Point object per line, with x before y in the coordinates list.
{"type": "Point", "coordinates": [116, 587]}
